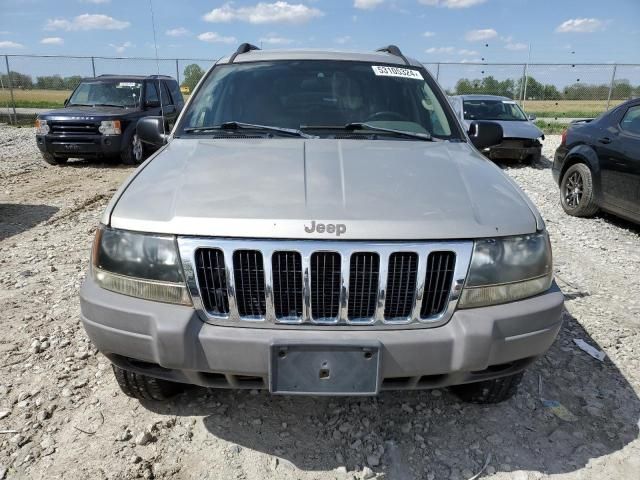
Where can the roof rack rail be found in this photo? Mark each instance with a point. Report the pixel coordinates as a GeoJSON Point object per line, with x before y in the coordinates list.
{"type": "Point", "coordinates": [243, 48]}
{"type": "Point", "coordinates": [393, 50]}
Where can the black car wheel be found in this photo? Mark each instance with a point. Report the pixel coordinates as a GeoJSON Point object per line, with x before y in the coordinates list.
{"type": "Point", "coordinates": [489, 391]}
{"type": "Point", "coordinates": [133, 153]}
{"type": "Point", "coordinates": [142, 387]}
{"type": "Point", "coordinates": [576, 191]}
{"type": "Point", "coordinates": [51, 160]}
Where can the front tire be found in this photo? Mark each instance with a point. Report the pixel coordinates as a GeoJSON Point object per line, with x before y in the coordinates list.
{"type": "Point", "coordinates": [489, 391]}
{"type": "Point", "coordinates": [51, 160]}
{"type": "Point", "coordinates": [142, 387]}
{"type": "Point", "coordinates": [576, 191]}
{"type": "Point", "coordinates": [133, 153]}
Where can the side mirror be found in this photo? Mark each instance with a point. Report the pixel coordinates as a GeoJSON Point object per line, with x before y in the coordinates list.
{"type": "Point", "coordinates": [485, 134]}
{"type": "Point", "coordinates": [152, 104]}
{"type": "Point", "coordinates": [150, 130]}
{"type": "Point", "coordinates": [66, 102]}
{"type": "Point", "coordinates": [531, 117]}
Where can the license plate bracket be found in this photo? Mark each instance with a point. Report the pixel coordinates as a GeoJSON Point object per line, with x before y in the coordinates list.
{"type": "Point", "coordinates": [325, 369]}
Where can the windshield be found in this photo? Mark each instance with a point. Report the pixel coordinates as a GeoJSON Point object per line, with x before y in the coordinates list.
{"type": "Point", "coordinates": [124, 94]}
{"type": "Point", "coordinates": [493, 110]}
{"type": "Point", "coordinates": [315, 93]}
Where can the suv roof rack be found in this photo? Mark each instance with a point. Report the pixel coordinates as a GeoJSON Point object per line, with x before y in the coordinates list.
{"type": "Point", "coordinates": [394, 50]}
{"type": "Point", "coordinates": [243, 48]}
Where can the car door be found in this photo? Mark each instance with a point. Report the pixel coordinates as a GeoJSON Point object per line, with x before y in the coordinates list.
{"type": "Point", "coordinates": [630, 153]}
{"type": "Point", "coordinates": [618, 169]}
{"type": "Point", "coordinates": [169, 107]}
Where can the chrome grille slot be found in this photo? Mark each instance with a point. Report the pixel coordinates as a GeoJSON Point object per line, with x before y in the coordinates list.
{"type": "Point", "coordinates": [248, 271]}
{"type": "Point", "coordinates": [286, 269]}
{"type": "Point", "coordinates": [440, 268]}
{"type": "Point", "coordinates": [401, 285]}
{"type": "Point", "coordinates": [344, 284]}
{"type": "Point", "coordinates": [213, 280]}
{"type": "Point", "coordinates": [325, 285]}
{"type": "Point", "coordinates": [363, 285]}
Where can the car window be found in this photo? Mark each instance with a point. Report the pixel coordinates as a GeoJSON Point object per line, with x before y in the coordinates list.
{"type": "Point", "coordinates": [319, 93]}
{"type": "Point", "coordinates": [483, 109]}
{"type": "Point", "coordinates": [176, 95]}
{"type": "Point", "coordinates": [107, 92]}
{"type": "Point", "coordinates": [166, 95]}
{"type": "Point", "coordinates": [631, 120]}
{"type": "Point", "coordinates": [152, 92]}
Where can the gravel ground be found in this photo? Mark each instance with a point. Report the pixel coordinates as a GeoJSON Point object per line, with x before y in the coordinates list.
{"type": "Point", "coordinates": [63, 416]}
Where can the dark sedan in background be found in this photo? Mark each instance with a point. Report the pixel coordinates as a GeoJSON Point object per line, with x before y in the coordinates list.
{"type": "Point", "coordinates": [597, 165]}
{"type": "Point", "coordinates": [521, 140]}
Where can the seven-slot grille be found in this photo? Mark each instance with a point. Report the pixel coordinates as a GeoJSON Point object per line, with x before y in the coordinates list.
{"type": "Point", "coordinates": [345, 286]}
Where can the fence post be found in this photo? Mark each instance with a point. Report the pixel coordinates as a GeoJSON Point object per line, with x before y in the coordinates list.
{"type": "Point", "coordinates": [611, 85]}
{"type": "Point", "coordinates": [13, 102]}
{"type": "Point", "coordinates": [93, 66]}
{"type": "Point", "coordinates": [437, 72]}
{"type": "Point", "coordinates": [177, 72]}
{"type": "Point", "coordinates": [526, 80]}
{"type": "Point", "coordinates": [524, 74]}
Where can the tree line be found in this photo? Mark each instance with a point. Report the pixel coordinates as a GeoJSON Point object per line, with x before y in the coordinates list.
{"type": "Point", "coordinates": [536, 90]}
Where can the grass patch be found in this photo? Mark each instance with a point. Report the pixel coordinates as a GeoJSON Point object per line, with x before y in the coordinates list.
{"type": "Point", "coordinates": [551, 128]}
{"type": "Point", "coordinates": [36, 98]}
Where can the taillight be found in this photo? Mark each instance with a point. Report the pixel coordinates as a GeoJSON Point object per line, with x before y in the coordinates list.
{"type": "Point", "coordinates": [564, 137]}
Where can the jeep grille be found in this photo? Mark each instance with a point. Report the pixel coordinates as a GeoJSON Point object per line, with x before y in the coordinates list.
{"type": "Point", "coordinates": [263, 283]}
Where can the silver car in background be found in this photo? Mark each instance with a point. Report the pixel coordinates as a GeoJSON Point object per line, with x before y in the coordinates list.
{"type": "Point", "coordinates": [522, 139]}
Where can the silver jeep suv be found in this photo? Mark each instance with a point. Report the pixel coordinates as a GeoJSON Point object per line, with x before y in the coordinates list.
{"type": "Point", "coordinates": [320, 223]}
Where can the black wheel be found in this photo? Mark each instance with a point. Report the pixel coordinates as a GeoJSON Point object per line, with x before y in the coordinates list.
{"type": "Point", "coordinates": [140, 386]}
{"type": "Point", "coordinates": [51, 160]}
{"type": "Point", "coordinates": [489, 391]}
{"type": "Point", "coordinates": [576, 191]}
{"type": "Point", "coordinates": [133, 152]}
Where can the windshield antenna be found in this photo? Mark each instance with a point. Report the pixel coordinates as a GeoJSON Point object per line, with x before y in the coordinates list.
{"type": "Point", "coordinates": [155, 44]}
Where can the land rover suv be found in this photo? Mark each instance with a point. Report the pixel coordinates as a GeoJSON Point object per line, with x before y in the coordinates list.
{"type": "Point", "coordinates": [99, 118]}
{"type": "Point", "coordinates": [320, 223]}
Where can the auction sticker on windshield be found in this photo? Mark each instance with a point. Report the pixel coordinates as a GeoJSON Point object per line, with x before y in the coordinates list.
{"type": "Point", "coordinates": [384, 71]}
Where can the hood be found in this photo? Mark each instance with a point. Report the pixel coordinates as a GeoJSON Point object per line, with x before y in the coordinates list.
{"type": "Point", "coordinates": [276, 188]}
{"type": "Point", "coordinates": [86, 113]}
{"type": "Point", "coordinates": [516, 129]}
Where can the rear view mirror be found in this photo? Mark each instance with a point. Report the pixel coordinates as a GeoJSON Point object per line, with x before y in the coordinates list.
{"type": "Point", "coordinates": [485, 134]}
{"type": "Point", "coordinates": [531, 117]}
{"type": "Point", "coordinates": [152, 104]}
{"type": "Point", "coordinates": [151, 130]}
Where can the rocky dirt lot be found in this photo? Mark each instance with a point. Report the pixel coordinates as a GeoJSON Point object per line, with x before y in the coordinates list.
{"type": "Point", "coordinates": [63, 416]}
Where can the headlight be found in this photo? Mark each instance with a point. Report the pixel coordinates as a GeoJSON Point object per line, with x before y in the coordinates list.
{"type": "Point", "coordinates": [41, 127]}
{"type": "Point", "coordinates": [110, 127]}
{"type": "Point", "coordinates": [139, 265]}
{"type": "Point", "coordinates": [508, 269]}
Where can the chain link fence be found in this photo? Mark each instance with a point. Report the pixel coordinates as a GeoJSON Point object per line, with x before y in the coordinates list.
{"type": "Point", "coordinates": [30, 84]}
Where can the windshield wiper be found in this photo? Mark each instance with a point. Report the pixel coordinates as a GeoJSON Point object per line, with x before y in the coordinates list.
{"type": "Point", "coordinates": [79, 105]}
{"type": "Point", "coordinates": [248, 126]}
{"type": "Point", "coordinates": [367, 126]}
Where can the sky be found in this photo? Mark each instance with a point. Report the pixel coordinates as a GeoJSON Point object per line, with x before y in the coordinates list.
{"type": "Point", "coordinates": [565, 31]}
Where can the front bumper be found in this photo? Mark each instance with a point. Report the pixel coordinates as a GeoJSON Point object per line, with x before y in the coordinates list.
{"type": "Point", "coordinates": [80, 145]}
{"type": "Point", "coordinates": [171, 342]}
{"type": "Point", "coordinates": [515, 150]}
